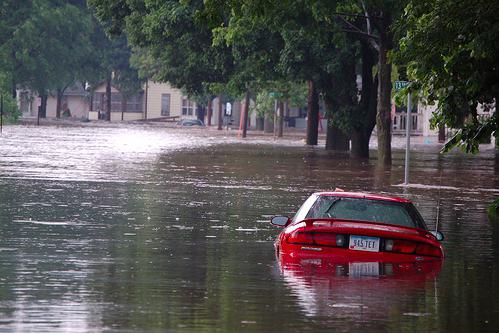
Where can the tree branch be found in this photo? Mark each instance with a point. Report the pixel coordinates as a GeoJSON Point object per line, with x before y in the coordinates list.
{"type": "Point", "coordinates": [357, 15]}
{"type": "Point", "coordinates": [368, 20]}
{"type": "Point", "coordinates": [371, 38]}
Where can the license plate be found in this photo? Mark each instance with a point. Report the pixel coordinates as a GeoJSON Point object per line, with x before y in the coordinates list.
{"type": "Point", "coordinates": [364, 243]}
{"type": "Point", "coordinates": [363, 269]}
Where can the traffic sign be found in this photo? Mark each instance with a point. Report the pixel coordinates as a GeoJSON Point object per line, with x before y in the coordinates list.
{"type": "Point", "coordinates": [401, 84]}
{"type": "Point", "coordinates": [276, 94]}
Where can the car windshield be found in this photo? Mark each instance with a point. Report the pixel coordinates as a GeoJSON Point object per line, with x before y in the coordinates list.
{"type": "Point", "coordinates": [388, 212]}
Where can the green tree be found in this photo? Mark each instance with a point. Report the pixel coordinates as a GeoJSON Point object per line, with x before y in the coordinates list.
{"type": "Point", "coordinates": [374, 24]}
{"type": "Point", "coordinates": [315, 48]}
{"type": "Point", "coordinates": [451, 49]}
{"type": "Point", "coordinates": [45, 46]}
{"type": "Point", "coordinates": [10, 111]}
{"type": "Point", "coordinates": [126, 77]}
{"type": "Point", "coordinates": [300, 48]}
{"type": "Point", "coordinates": [13, 14]}
{"type": "Point", "coordinates": [174, 41]}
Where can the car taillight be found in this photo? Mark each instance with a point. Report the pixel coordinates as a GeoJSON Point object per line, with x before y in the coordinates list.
{"type": "Point", "coordinates": [428, 250]}
{"type": "Point", "coordinates": [325, 239]}
{"type": "Point", "coordinates": [298, 237]}
{"type": "Point", "coordinates": [408, 247]}
{"type": "Point", "coordinates": [405, 247]}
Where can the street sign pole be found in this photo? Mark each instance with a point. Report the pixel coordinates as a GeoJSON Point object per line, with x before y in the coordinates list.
{"type": "Point", "coordinates": [398, 86]}
{"type": "Point", "coordinates": [408, 139]}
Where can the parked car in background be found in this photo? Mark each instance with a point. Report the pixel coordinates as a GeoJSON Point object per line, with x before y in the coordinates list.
{"type": "Point", "coordinates": [190, 123]}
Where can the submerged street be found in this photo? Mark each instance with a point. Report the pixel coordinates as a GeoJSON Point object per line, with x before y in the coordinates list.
{"type": "Point", "coordinates": [141, 228]}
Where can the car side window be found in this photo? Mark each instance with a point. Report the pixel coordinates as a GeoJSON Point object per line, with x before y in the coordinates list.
{"type": "Point", "coordinates": [320, 207]}
{"type": "Point", "coordinates": [304, 209]}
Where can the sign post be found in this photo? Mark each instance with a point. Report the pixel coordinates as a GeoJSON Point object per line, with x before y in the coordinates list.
{"type": "Point", "coordinates": [398, 86]}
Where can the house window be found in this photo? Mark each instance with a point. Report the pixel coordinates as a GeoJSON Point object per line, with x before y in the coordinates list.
{"type": "Point", "coordinates": [134, 103]}
{"type": "Point", "coordinates": [165, 104]}
{"type": "Point", "coordinates": [116, 102]}
{"type": "Point", "coordinates": [414, 119]}
{"type": "Point", "coordinates": [187, 107]}
{"type": "Point", "coordinates": [403, 121]}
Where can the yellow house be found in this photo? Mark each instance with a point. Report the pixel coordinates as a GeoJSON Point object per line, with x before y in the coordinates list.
{"type": "Point", "coordinates": [154, 101]}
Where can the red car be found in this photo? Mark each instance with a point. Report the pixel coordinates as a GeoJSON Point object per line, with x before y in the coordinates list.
{"type": "Point", "coordinates": [358, 225]}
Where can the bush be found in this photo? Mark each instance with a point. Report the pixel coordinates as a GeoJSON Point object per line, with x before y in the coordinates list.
{"type": "Point", "coordinates": [10, 111]}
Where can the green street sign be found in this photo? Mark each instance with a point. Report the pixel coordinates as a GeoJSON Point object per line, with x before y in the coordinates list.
{"type": "Point", "coordinates": [275, 94]}
{"type": "Point", "coordinates": [401, 84]}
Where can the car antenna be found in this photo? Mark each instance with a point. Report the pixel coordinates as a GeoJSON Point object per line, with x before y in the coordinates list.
{"type": "Point", "coordinates": [438, 202]}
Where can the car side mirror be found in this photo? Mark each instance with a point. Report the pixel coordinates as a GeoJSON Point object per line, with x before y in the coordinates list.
{"type": "Point", "coordinates": [438, 235]}
{"type": "Point", "coordinates": [279, 220]}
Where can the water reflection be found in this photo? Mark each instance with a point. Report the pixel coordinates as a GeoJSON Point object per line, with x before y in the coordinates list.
{"type": "Point", "coordinates": [356, 289]}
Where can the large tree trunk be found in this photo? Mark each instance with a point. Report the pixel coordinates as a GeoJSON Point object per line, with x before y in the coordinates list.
{"type": "Point", "coordinates": [312, 114]}
{"type": "Point", "coordinates": [361, 134]}
{"type": "Point", "coordinates": [360, 144]}
{"type": "Point", "coordinates": [220, 116]}
{"type": "Point", "coordinates": [384, 109]}
{"type": "Point", "coordinates": [58, 103]}
{"type": "Point", "coordinates": [441, 134]}
{"type": "Point", "coordinates": [268, 123]}
{"type": "Point", "coordinates": [146, 95]}
{"type": "Point", "coordinates": [260, 121]}
{"type": "Point", "coordinates": [43, 105]}
{"type": "Point", "coordinates": [108, 97]}
{"type": "Point", "coordinates": [200, 112]}
{"type": "Point", "coordinates": [91, 100]}
{"type": "Point", "coordinates": [496, 113]}
{"type": "Point", "coordinates": [123, 106]}
{"type": "Point", "coordinates": [336, 139]}
{"type": "Point", "coordinates": [210, 111]}
{"type": "Point", "coordinates": [14, 89]}
{"type": "Point", "coordinates": [245, 113]}
{"type": "Point", "coordinates": [280, 119]}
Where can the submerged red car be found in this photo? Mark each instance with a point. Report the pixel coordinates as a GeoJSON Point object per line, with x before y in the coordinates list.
{"type": "Point", "coordinates": [360, 225]}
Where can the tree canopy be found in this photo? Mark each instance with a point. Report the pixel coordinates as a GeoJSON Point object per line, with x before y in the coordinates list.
{"type": "Point", "coordinates": [452, 55]}
{"type": "Point", "coordinates": [46, 46]}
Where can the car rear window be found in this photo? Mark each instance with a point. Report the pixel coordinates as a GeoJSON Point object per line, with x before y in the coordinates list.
{"type": "Point", "coordinates": [388, 212]}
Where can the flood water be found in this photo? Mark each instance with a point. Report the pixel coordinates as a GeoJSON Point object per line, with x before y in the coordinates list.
{"type": "Point", "coordinates": [138, 228]}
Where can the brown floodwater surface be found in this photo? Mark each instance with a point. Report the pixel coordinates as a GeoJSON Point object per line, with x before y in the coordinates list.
{"type": "Point", "coordinates": [145, 229]}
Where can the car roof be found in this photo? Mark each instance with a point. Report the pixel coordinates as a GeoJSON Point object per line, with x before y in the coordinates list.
{"type": "Point", "coordinates": [362, 195]}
